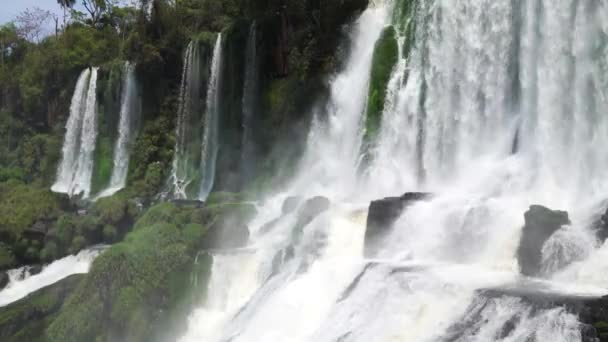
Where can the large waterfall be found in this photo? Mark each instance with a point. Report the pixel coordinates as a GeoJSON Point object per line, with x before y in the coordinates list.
{"type": "Point", "coordinates": [130, 108]}
{"type": "Point", "coordinates": [492, 106]}
{"type": "Point", "coordinates": [76, 167]}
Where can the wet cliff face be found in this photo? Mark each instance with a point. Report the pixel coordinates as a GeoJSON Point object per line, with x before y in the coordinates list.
{"type": "Point", "coordinates": [298, 46]}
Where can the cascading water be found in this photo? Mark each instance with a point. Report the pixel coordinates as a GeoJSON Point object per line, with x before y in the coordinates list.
{"type": "Point", "coordinates": [184, 163]}
{"type": "Point", "coordinates": [21, 283]}
{"type": "Point", "coordinates": [129, 115]}
{"type": "Point", "coordinates": [65, 174]}
{"type": "Point", "coordinates": [76, 167]}
{"type": "Point", "coordinates": [497, 105]}
{"type": "Point", "coordinates": [211, 123]}
{"type": "Point", "coordinates": [196, 146]}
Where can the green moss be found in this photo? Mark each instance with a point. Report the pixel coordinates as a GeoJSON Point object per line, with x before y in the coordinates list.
{"type": "Point", "coordinates": [22, 205]}
{"type": "Point", "coordinates": [26, 319]}
{"type": "Point", "coordinates": [122, 289]}
{"type": "Point", "coordinates": [104, 164]}
{"type": "Point", "coordinates": [386, 54]}
{"type": "Point", "coordinates": [114, 209]}
{"type": "Point", "coordinates": [164, 212]}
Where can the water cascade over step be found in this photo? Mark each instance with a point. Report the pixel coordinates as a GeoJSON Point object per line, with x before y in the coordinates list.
{"type": "Point", "coordinates": [472, 80]}
{"type": "Point", "coordinates": [76, 167]}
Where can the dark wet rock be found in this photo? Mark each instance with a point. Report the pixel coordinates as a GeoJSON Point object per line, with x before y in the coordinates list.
{"type": "Point", "coordinates": [26, 319]}
{"type": "Point", "coordinates": [35, 269]}
{"type": "Point", "coordinates": [184, 203]}
{"type": "Point", "coordinates": [601, 227]}
{"type": "Point", "coordinates": [38, 230]}
{"type": "Point", "coordinates": [229, 228]}
{"type": "Point", "coordinates": [383, 213]}
{"type": "Point", "coordinates": [291, 204]}
{"type": "Point", "coordinates": [4, 279]}
{"type": "Point", "coordinates": [540, 224]}
{"type": "Point", "coordinates": [308, 212]}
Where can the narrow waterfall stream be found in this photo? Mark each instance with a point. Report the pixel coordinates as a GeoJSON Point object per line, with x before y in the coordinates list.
{"type": "Point", "coordinates": [491, 107]}
{"type": "Point", "coordinates": [211, 123]}
{"type": "Point", "coordinates": [130, 108]}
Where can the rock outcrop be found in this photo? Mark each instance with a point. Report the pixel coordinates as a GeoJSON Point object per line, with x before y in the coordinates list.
{"type": "Point", "coordinates": [540, 224]}
{"type": "Point", "coordinates": [383, 213]}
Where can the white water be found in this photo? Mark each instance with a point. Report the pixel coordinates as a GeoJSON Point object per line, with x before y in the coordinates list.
{"type": "Point", "coordinates": [211, 123]}
{"type": "Point", "coordinates": [129, 112]}
{"type": "Point", "coordinates": [73, 136]}
{"type": "Point", "coordinates": [483, 77]}
{"type": "Point", "coordinates": [21, 283]}
{"type": "Point", "coordinates": [183, 163]}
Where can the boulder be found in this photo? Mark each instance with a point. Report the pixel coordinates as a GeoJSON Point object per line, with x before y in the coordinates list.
{"type": "Point", "coordinates": [290, 204]}
{"type": "Point", "coordinates": [601, 227]}
{"type": "Point", "coordinates": [34, 269]}
{"type": "Point", "coordinates": [383, 213]}
{"type": "Point", "coordinates": [312, 208]}
{"type": "Point", "coordinates": [229, 228]}
{"type": "Point", "coordinates": [26, 319]}
{"type": "Point", "coordinates": [38, 230]}
{"type": "Point", "coordinates": [184, 203]}
{"type": "Point", "coordinates": [540, 224]}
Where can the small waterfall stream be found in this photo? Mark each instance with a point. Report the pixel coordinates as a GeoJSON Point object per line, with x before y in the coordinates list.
{"type": "Point", "coordinates": [210, 142]}
{"type": "Point", "coordinates": [130, 109]}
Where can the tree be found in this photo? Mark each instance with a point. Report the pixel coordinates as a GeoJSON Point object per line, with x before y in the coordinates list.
{"type": "Point", "coordinates": [66, 5]}
{"type": "Point", "coordinates": [31, 23]}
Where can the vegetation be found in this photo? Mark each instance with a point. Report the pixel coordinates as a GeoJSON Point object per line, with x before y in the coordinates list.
{"type": "Point", "coordinates": [145, 277]}
{"type": "Point", "coordinates": [386, 54]}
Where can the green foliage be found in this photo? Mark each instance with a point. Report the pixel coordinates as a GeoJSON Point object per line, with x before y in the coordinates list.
{"type": "Point", "coordinates": [152, 155]}
{"type": "Point", "coordinates": [26, 319]}
{"type": "Point", "coordinates": [50, 252]}
{"type": "Point", "coordinates": [164, 212]}
{"type": "Point", "coordinates": [122, 287]}
{"type": "Point", "coordinates": [22, 205]}
{"type": "Point", "coordinates": [386, 54]}
{"type": "Point", "coordinates": [7, 259]}
{"type": "Point", "coordinates": [114, 210]}
{"type": "Point", "coordinates": [110, 234]}
{"type": "Point", "coordinates": [39, 155]}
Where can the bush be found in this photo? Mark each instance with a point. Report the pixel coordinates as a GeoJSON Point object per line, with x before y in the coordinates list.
{"type": "Point", "coordinates": [110, 234]}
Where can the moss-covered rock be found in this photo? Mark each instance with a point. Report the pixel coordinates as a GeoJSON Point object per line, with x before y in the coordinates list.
{"type": "Point", "coordinates": [147, 282]}
{"type": "Point", "coordinates": [26, 319]}
{"type": "Point", "coordinates": [386, 54]}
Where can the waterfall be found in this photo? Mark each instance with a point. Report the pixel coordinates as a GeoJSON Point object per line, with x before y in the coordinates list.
{"type": "Point", "coordinates": [76, 167]}
{"type": "Point", "coordinates": [474, 78]}
{"type": "Point", "coordinates": [250, 94]}
{"type": "Point", "coordinates": [130, 108]}
{"type": "Point", "coordinates": [211, 123]}
{"type": "Point", "coordinates": [72, 135]}
{"type": "Point", "coordinates": [185, 157]}
{"type": "Point", "coordinates": [21, 283]}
